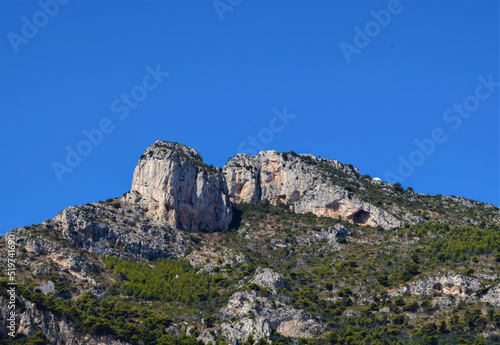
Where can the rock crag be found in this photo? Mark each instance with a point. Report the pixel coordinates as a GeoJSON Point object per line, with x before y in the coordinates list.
{"type": "Point", "coordinates": [259, 316]}
{"type": "Point", "coordinates": [270, 280]}
{"type": "Point", "coordinates": [180, 190]}
{"type": "Point", "coordinates": [301, 180]}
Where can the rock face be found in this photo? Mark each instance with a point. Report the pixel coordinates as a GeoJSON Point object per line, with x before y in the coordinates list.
{"type": "Point", "coordinates": [453, 288]}
{"type": "Point", "coordinates": [456, 285]}
{"type": "Point", "coordinates": [58, 330]}
{"type": "Point", "coordinates": [269, 279]}
{"type": "Point", "coordinates": [260, 315]}
{"type": "Point", "coordinates": [258, 327]}
{"type": "Point", "coordinates": [179, 189]}
{"type": "Point", "coordinates": [332, 233]}
{"type": "Point", "coordinates": [492, 297]}
{"type": "Point", "coordinates": [48, 288]}
{"type": "Point", "coordinates": [100, 228]}
{"type": "Point", "coordinates": [301, 180]}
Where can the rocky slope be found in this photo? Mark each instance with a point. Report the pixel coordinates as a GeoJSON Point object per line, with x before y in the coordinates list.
{"type": "Point", "coordinates": [57, 329]}
{"type": "Point", "coordinates": [450, 290]}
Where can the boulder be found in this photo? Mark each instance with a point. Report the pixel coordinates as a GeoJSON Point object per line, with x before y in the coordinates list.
{"type": "Point", "coordinates": [269, 279]}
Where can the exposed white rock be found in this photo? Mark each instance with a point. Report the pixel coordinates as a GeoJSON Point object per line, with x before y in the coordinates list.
{"type": "Point", "coordinates": [258, 327]}
{"type": "Point", "coordinates": [299, 179]}
{"type": "Point", "coordinates": [206, 337]}
{"type": "Point", "coordinates": [449, 285]}
{"type": "Point", "coordinates": [453, 288]}
{"type": "Point", "coordinates": [280, 317]}
{"type": "Point", "coordinates": [98, 230]}
{"type": "Point", "coordinates": [47, 289]}
{"type": "Point", "coordinates": [332, 233]}
{"type": "Point", "coordinates": [179, 189]}
{"type": "Point", "coordinates": [492, 297]}
{"type": "Point", "coordinates": [58, 330]}
{"type": "Point", "coordinates": [269, 279]}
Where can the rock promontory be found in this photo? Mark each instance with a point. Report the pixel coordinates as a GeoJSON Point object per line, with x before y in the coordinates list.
{"type": "Point", "coordinates": [179, 189]}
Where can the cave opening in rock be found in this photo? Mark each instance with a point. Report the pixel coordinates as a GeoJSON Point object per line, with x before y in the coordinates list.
{"type": "Point", "coordinates": [334, 205]}
{"type": "Point", "coordinates": [438, 286]}
{"type": "Point", "coordinates": [360, 217]}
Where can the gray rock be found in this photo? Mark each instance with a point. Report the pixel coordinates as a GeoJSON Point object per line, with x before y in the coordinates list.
{"type": "Point", "coordinates": [492, 297]}
{"type": "Point", "coordinates": [260, 311]}
{"type": "Point", "coordinates": [258, 327]}
{"type": "Point", "coordinates": [299, 180]}
{"type": "Point", "coordinates": [178, 189]}
{"type": "Point", "coordinates": [206, 337]}
{"type": "Point", "coordinates": [41, 270]}
{"type": "Point", "coordinates": [332, 233]}
{"type": "Point", "coordinates": [269, 279]}
{"type": "Point", "coordinates": [454, 288]}
{"type": "Point", "coordinates": [95, 228]}
{"type": "Point", "coordinates": [456, 285]}
{"type": "Point", "coordinates": [48, 288]}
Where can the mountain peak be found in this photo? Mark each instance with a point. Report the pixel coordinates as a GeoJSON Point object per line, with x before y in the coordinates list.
{"type": "Point", "coordinates": [176, 187]}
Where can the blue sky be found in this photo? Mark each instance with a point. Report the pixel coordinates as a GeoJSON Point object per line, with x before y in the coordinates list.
{"type": "Point", "coordinates": [404, 91]}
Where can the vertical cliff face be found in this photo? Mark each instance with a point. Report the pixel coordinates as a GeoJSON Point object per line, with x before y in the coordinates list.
{"type": "Point", "coordinates": [301, 180]}
{"type": "Point", "coordinates": [267, 176]}
{"type": "Point", "coordinates": [179, 189]}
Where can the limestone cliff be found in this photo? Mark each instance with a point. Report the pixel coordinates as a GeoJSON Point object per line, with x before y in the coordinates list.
{"type": "Point", "coordinates": [179, 189]}
{"type": "Point", "coordinates": [301, 180]}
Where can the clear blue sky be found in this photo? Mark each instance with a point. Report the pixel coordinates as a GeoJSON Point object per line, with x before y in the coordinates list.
{"type": "Point", "coordinates": [226, 76]}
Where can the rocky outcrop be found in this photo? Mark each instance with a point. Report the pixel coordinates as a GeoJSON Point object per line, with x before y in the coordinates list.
{"type": "Point", "coordinates": [273, 176]}
{"type": "Point", "coordinates": [303, 181]}
{"type": "Point", "coordinates": [324, 199]}
{"type": "Point", "coordinates": [57, 330]}
{"type": "Point", "coordinates": [47, 289]}
{"type": "Point", "coordinates": [456, 285]}
{"type": "Point", "coordinates": [119, 228]}
{"type": "Point", "coordinates": [260, 316]}
{"type": "Point", "coordinates": [269, 279]}
{"type": "Point", "coordinates": [492, 296]}
{"type": "Point", "coordinates": [69, 244]}
{"type": "Point", "coordinates": [178, 189]}
{"type": "Point", "coordinates": [333, 233]}
{"type": "Point", "coordinates": [258, 327]}
{"type": "Point", "coordinates": [450, 289]}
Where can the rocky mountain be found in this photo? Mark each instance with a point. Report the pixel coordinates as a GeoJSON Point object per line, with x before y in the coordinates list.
{"type": "Point", "coordinates": [270, 249]}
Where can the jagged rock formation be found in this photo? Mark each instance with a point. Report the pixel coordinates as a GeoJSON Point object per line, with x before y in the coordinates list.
{"type": "Point", "coordinates": [58, 330]}
{"type": "Point", "coordinates": [180, 190]}
{"type": "Point", "coordinates": [269, 279]}
{"type": "Point", "coordinates": [116, 227]}
{"type": "Point", "coordinates": [450, 285]}
{"type": "Point", "coordinates": [333, 233]}
{"type": "Point", "coordinates": [300, 179]}
{"type": "Point", "coordinates": [258, 327]}
{"type": "Point", "coordinates": [451, 290]}
{"type": "Point", "coordinates": [260, 315]}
